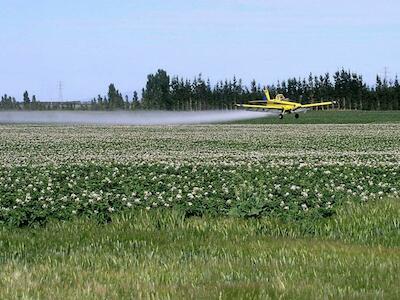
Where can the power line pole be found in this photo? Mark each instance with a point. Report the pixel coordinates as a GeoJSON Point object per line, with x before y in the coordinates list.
{"type": "Point", "coordinates": [60, 91]}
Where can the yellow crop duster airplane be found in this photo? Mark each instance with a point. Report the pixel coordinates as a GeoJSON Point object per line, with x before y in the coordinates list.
{"type": "Point", "coordinates": [281, 104]}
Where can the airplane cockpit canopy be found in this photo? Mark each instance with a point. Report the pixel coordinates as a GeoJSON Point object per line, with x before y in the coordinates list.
{"type": "Point", "coordinates": [280, 97]}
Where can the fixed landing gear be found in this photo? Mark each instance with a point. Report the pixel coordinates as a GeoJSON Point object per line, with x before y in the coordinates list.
{"type": "Point", "coordinates": [280, 116]}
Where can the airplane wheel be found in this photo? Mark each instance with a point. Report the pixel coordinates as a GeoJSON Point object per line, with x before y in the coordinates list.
{"type": "Point", "coordinates": [296, 116]}
{"type": "Point", "coordinates": [281, 116]}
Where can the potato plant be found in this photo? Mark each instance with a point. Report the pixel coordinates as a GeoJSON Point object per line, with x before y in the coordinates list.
{"type": "Point", "coordinates": [250, 171]}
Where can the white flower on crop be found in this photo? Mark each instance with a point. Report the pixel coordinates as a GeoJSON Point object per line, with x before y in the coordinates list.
{"type": "Point", "coordinates": [304, 194]}
{"type": "Point", "coordinates": [111, 209]}
{"type": "Point", "coordinates": [190, 203]}
{"type": "Point", "coordinates": [148, 207]}
{"type": "Point", "coordinates": [137, 200]}
{"type": "Point", "coordinates": [286, 208]}
{"type": "Point", "coordinates": [229, 202]}
{"type": "Point", "coordinates": [304, 207]}
{"type": "Point", "coordinates": [74, 212]}
{"type": "Point", "coordinates": [129, 204]}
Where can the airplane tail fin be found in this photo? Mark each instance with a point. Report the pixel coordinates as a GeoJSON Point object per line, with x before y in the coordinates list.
{"type": "Point", "coordinates": [266, 92]}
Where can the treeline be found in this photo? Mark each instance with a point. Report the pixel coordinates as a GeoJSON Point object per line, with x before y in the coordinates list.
{"type": "Point", "coordinates": [163, 92]}
{"type": "Point", "coordinates": [114, 100]}
{"type": "Point", "coordinates": [347, 88]}
{"type": "Point", "coordinates": [10, 103]}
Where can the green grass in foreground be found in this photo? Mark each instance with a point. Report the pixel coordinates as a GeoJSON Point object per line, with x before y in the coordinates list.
{"type": "Point", "coordinates": [331, 117]}
{"type": "Point", "coordinates": [353, 255]}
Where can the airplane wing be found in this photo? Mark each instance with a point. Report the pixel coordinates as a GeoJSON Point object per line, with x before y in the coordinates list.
{"type": "Point", "coordinates": [258, 101]}
{"type": "Point", "coordinates": [254, 106]}
{"type": "Point", "coordinates": [316, 104]}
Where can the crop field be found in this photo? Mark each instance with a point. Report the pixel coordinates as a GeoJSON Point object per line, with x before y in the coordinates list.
{"type": "Point", "coordinates": [205, 211]}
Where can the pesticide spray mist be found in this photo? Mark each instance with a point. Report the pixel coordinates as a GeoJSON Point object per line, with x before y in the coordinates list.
{"type": "Point", "coordinates": [127, 118]}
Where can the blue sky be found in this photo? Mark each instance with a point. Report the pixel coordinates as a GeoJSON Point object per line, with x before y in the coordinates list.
{"type": "Point", "coordinates": [88, 44]}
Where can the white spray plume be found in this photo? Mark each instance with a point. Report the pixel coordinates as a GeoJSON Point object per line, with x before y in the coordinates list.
{"type": "Point", "coordinates": [128, 118]}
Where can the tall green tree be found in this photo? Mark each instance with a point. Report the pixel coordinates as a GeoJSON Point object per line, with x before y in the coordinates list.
{"type": "Point", "coordinates": [34, 103]}
{"type": "Point", "coordinates": [135, 101]}
{"type": "Point", "coordinates": [27, 101]}
{"type": "Point", "coordinates": [115, 99]}
{"type": "Point", "coordinates": [157, 92]}
{"type": "Point", "coordinates": [396, 101]}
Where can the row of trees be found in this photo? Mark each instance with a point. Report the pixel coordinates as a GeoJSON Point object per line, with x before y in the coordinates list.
{"type": "Point", "coordinates": [163, 92]}
{"type": "Point", "coordinates": [347, 88]}
{"type": "Point", "coordinates": [10, 103]}
{"type": "Point", "coordinates": [115, 100]}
